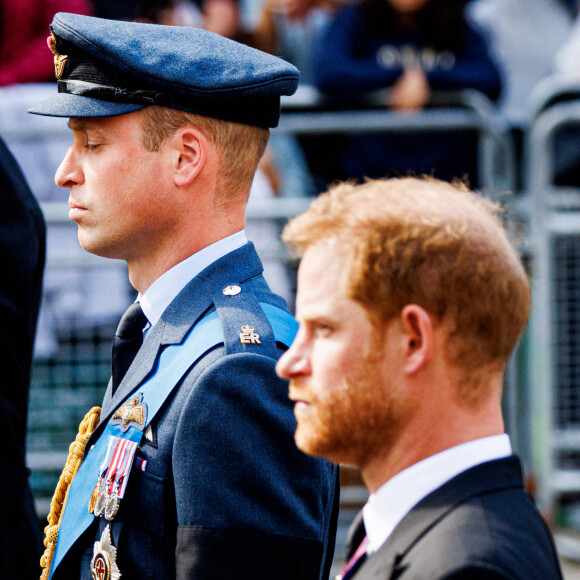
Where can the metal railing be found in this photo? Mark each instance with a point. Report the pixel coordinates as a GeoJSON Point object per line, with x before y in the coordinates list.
{"type": "Point", "coordinates": [554, 372]}
{"type": "Point", "coordinates": [308, 113]}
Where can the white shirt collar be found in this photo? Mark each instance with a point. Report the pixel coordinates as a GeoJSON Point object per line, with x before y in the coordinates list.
{"type": "Point", "coordinates": [162, 292]}
{"type": "Point", "coordinates": [395, 498]}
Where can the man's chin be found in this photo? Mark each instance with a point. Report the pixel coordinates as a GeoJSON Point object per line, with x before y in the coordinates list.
{"type": "Point", "coordinates": [97, 247]}
{"type": "Point", "coordinates": [88, 244]}
{"type": "Point", "coordinates": [311, 442]}
{"type": "Point", "coordinates": [306, 440]}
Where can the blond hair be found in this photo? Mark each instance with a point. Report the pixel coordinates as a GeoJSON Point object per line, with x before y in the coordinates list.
{"type": "Point", "coordinates": [241, 146]}
{"type": "Point", "coordinates": [423, 241]}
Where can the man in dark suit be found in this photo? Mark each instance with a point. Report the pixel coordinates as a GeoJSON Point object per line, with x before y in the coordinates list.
{"type": "Point", "coordinates": [397, 369]}
{"type": "Point", "coordinates": [22, 254]}
{"type": "Point", "coordinates": [192, 471]}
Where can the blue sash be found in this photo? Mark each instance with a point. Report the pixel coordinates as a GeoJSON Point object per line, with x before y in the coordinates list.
{"type": "Point", "coordinates": [174, 362]}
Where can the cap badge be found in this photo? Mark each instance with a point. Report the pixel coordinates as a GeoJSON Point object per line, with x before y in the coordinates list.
{"type": "Point", "coordinates": [59, 59]}
{"type": "Point", "coordinates": [104, 562]}
{"type": "Point", "coordinates": [133, 413]}
{"type": "Point", "coordinates": [248, 336]}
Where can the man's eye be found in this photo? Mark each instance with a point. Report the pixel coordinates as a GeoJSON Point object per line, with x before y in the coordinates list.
{"type": "Point", "coordinates": [92, 146]}
{"type": "Point", "coordinates": [323, 330]}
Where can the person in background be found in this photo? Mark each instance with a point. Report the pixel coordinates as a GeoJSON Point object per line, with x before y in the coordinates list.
{"type": "Point", "coordinates": [412, 48]}
{"type": "Point", "coordinates": [524, 38]}
{"type": "Point", "coordinates": [23, 25]}
{"type": "Point", "coordinates": [397, 368]}
{"type": "Point", "coordinates": [22, 256]}
{"type": "Point", "coordinates": [291, 30]}
{"type": "Point", "coordinates": [218, 16]}
{"type": "Point", "coordinates": [192, 471]}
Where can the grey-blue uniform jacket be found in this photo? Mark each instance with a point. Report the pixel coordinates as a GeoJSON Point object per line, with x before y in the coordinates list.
{"type": "Point", "coordinates": [225, 493]}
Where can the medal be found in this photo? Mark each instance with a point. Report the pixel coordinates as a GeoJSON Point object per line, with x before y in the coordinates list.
{"type": "Point", "coordinates": [104, 562]}
{"type": "Point", "coordinates": [113, 503]}
{"type": "Point", "coordinates": [113, 476]}
{"type": "Point", "coordinates": [114, 473]}
{"type": "Point", "coordinates": [101, 502]}
{"type": "Point", "coordinates": [100, 505]}
{"type": "Point", "coordinates": [95, 495]}
{"type": "Point", "coordinates": [112, 507]}
{"type": "Point", "coordinates": [96, 501]}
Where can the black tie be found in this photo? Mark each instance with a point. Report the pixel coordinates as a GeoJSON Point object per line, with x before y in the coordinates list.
{"type": "Point", "coordinates": [128, 339]}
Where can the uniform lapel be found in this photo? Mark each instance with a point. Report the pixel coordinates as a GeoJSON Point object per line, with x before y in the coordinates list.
{"type": "Point", "coordinates": [487, 477]}
{"type": "Point", "coordinates": [187, 308]}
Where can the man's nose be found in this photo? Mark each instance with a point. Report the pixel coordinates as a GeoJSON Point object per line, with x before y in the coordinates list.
{"type": "Point", "coordinates": [68, 172]}
{"type": "Point", "coordinates": [294, 362]}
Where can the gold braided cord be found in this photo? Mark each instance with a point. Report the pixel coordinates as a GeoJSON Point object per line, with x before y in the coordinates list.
{"type": "Point", "coordinates": [73, 462]}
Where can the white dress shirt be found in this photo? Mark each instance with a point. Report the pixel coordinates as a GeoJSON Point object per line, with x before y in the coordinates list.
{"type": "Point", "coordinates": [162, 292]}
{"type": "Point", "coordinates": [395, 498]}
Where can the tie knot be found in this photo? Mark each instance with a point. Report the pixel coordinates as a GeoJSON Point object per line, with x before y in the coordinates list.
{"type": "Point", "coordinates": [132, 322]}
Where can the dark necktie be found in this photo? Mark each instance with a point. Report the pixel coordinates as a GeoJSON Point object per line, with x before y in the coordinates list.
{"type": "Point", "coordinates": [128, 339]}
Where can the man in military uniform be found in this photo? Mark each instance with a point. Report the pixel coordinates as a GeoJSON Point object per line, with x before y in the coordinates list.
{"type": "Point", "coordinates": [192, 471]}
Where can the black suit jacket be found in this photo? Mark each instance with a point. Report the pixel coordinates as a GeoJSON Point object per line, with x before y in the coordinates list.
{"type": "Point", "coordinates": [22, 252]}
{"type": "Point", "coordinates": [481, 524]}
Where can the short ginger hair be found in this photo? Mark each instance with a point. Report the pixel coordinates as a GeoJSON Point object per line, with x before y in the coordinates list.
{"type": "Point", "coordinates": [423, 241]}
{"type": "Point", "coordinates": [241, 146]}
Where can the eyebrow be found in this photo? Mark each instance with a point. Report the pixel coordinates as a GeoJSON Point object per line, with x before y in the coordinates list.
{"type": "Point", "coordinates": [315, 318]}
{"type": "Point", "coordinates": [78, 124]}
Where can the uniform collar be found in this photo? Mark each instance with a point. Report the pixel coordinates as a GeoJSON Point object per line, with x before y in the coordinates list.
{"type": "Point", "coordinates": [237, 267]}
{"type": "Point", "coordinates": [162, 292]}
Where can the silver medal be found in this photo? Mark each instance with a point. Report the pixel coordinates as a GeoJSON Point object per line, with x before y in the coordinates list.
{"type": "Point", "coordinates": [112, 506]}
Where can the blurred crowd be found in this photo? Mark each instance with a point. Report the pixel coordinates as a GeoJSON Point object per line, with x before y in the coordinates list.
{"type": "Point", "coordinates": [349, 49]}
{"type": "Point", "coordinates": [346, 46]}
{"type": "Point", "coordinates": [397, 53]}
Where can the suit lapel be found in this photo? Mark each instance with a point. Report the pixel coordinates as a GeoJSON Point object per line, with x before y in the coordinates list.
{"type": "Point", "coordinates": [485, 478]}
{"type": "Point", "coordinates": [356, 534]}
{"type": "Point", "coordinates": [191, 304]}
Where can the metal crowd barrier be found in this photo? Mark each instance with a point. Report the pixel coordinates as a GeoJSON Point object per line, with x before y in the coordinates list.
{"type": "Point", "coordinates": [308, 113]}
{"type": "Point", "coordinates": [554, 371]}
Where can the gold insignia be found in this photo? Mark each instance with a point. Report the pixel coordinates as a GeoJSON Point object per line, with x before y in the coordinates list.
{"type": "Point", "coordinates": [104, 562]}
{"type": "Point", "coordinates": [132, 413]}
{"type": "Point", "coordinates": [95, 495]}
{"type": "Point", "coordinates": [248, 336]}
{"type": "Point", "coordinates": [59, 59]}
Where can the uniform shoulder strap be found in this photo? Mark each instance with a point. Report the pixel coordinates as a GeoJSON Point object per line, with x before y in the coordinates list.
{"type": "Point", "coordinates": [253, 326]}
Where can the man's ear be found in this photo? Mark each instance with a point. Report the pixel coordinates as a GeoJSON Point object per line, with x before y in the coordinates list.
{"type": "Point", "coordinates": [417, 327]}
{"type": "Point", "coordinates": [190, 155]}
